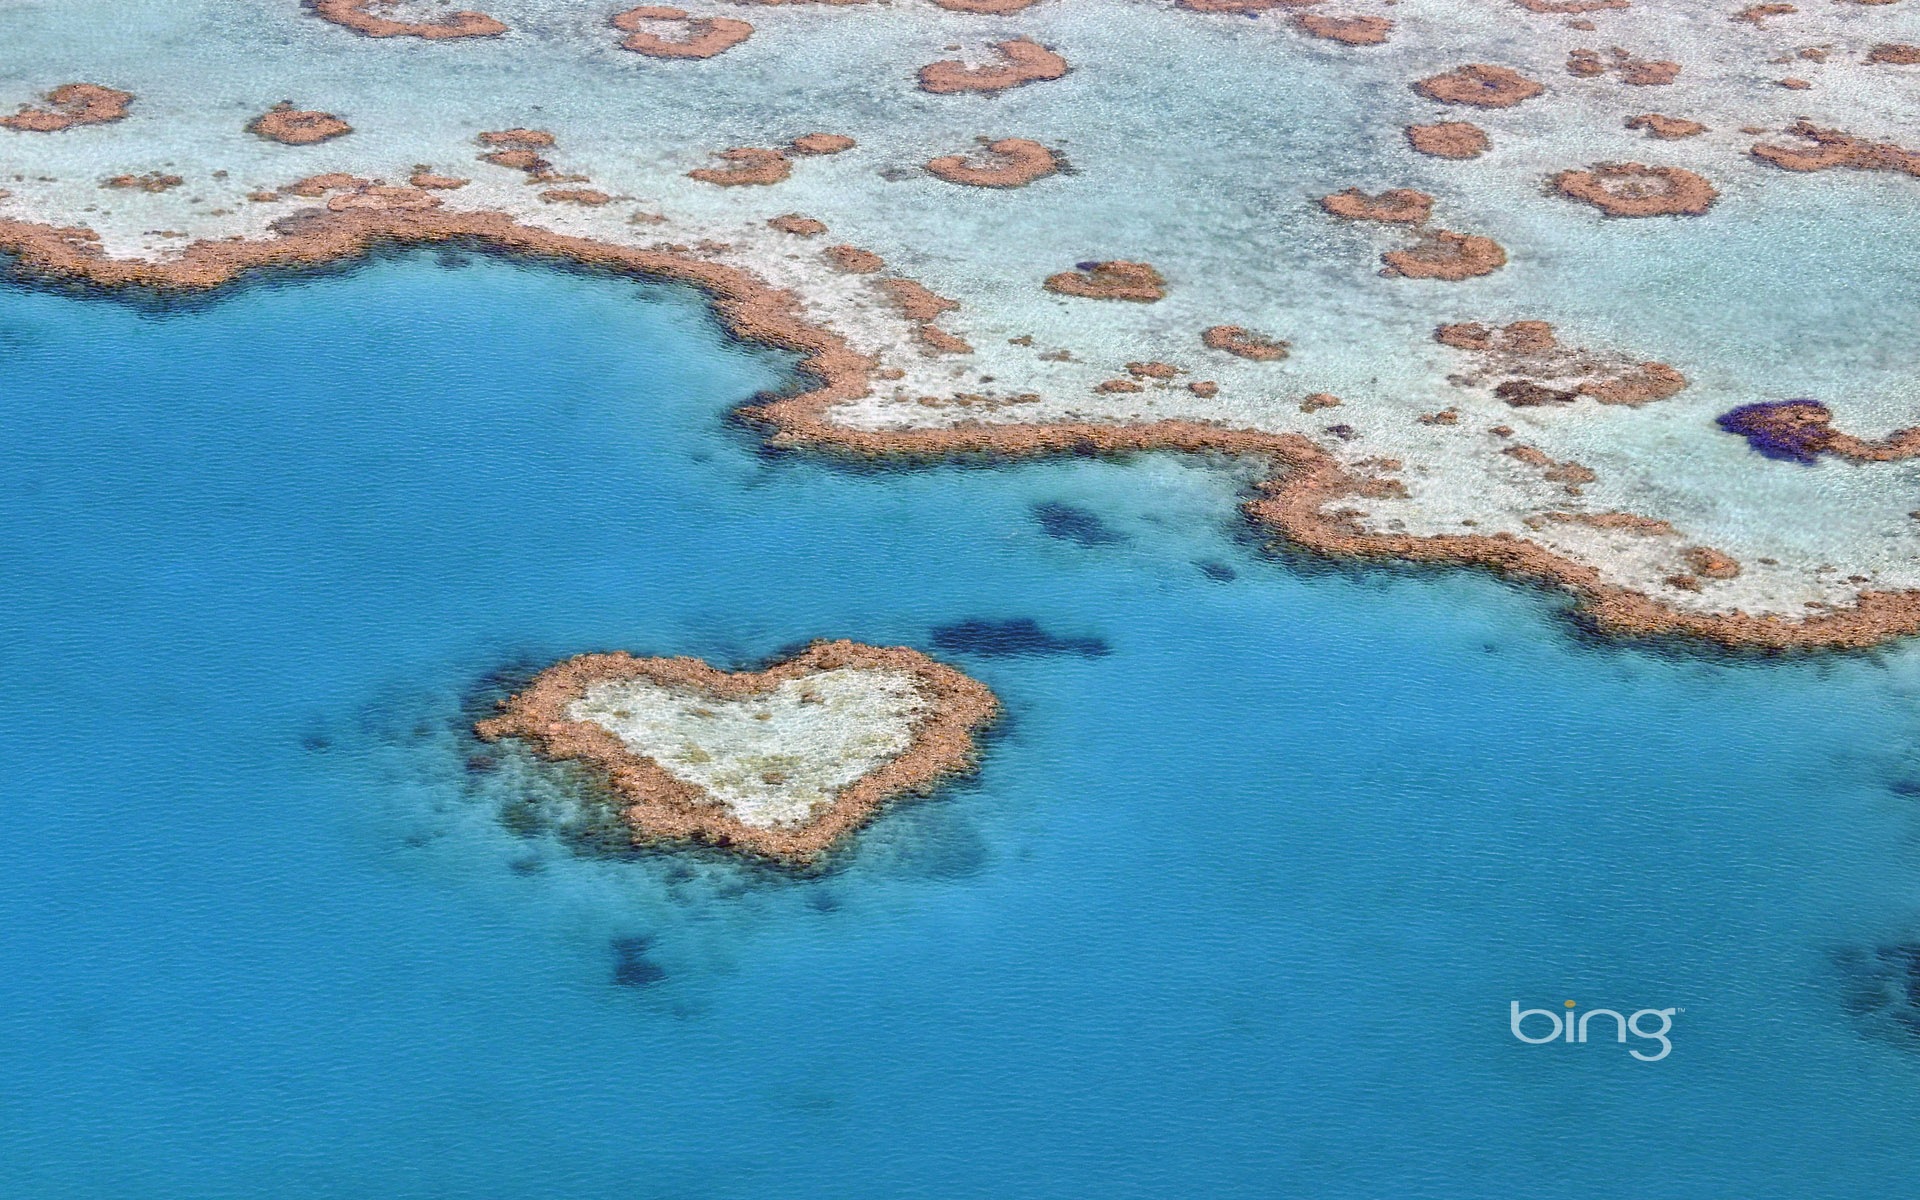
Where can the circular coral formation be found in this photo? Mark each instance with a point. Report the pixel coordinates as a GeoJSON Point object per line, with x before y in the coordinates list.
{"type": "Point", "coordinates": [1351, 31]}
{"type": "Point", "coordinates": [1666, 128]}
{"type": "Point", "coordinates": [355, 15]}
{"type": "Point", "coordinates": [746, 165]}
{"type": "Point", "coordinates": [1015, 162]}
{"type": "Point", "coordinates": [704, 36]}
{"type": "Point", "coordinates": [71, 104]}
{"type": "Point", "coordinates": [1113, 280]}
{"type": "Point", "coordinates": [1396, 206]}
{"type": "Point", "coordinates": [1244, 343]}
{"type": "Point", "coordinates": [1479, 85]}
{"type": "Point", "coordinates": [1447, 255]}
{"type": "Point", "coordinates": [821, 143]}
{"type": "Point", "coordinates": [1022, 61]}
{"type": "Point", "coordinates": [1449, 139]}
{"type": "Point", "coordinates": [1637, 190]}
{"type": "Point", "coordinates": [291, 126]}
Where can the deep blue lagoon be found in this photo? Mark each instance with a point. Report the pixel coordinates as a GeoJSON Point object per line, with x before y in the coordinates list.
{"type": "Point", "coordinates": [1236, 907]}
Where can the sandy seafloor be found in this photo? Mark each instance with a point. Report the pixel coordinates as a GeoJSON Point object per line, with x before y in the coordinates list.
{"type": "Point", "coordinates": [1235, 908]}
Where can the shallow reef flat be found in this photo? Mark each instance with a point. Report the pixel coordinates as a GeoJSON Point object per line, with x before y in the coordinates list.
{"type": "Point", "coordinates": [1475, 283]}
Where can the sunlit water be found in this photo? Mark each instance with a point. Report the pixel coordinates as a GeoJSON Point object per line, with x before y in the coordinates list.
{"type": "Point", "coordinates": [1236, 906]}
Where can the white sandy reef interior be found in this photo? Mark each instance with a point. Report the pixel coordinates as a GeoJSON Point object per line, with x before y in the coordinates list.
{"type": "Point", "coordinates": [775, 757]}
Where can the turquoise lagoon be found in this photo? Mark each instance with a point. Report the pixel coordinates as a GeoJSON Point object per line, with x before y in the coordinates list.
{"type": "Point", "coordinates": [1236, 906]}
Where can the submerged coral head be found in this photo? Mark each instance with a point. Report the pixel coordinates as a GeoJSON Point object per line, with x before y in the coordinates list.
{"type": "Point", "coordinates": [1792, 430]}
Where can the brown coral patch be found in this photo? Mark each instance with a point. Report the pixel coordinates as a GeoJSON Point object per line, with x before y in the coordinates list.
{"type": "Point", "coordinates": [436, 182]}
{"type": "Point", "coordinates": [1479, 85]}
{"type": "Point", "coordinates": [1113, 280]}
{"type": "Point", "coordinates": [1709, 563]}
{"type": "Point", "coordinates": [383, 198]}
{"type": "Point", "coordinates": [1637, 190]}
{"type": "Point", "coordinates": [152, 181]}
{"type": "Point", "coordinates": [68, 105]}
{"type": "Point", "coordinates": [1640, 72]}
{"type": "Point", "coordinates": [1571, 7]}
{"type": "Point", "coordinates": [703, 37]}
{"type": "Point", "coordinates": [1012, 162]}
{"type": "Point", "coordinates": [798, 225]}
{"type": "Point", "coordinates": [1448, 139]}
{"type": "Point", "coordinates": [290, 126]}
{"type": "Point", "coordinates": [1896, 54]}
{"type": "Point", "coordinates": [1022, 60]}
{"type": "Point", "coordinates": [1666, 128]}
{"type": "Point", "coordinates": [320, 185]}
{"type": "Point", "coordinates": [1244, 343]}
{"type": "Point", "coordinates": [660, 806]}
{"type": "Point", "coordinates": [1397, 206]}
{"type": "Point", "coordinates": [854, 261]}
{"type": "Point", "coordinates": [821, 143]}
{"type": "Point", "coordinates": [746, 165]}
{"type": "Point", "coordinates": [589, 197]}
{"type": "Point", "coordinates": [1351, 31]}
{"type": "Point", "coordinates": [1757, 14]}
{"type": "Point", "coordinates": [992, 8]}
{"type": "Point", "coordinates": [525, 139]}
{"type": "Point", "coordinates": [1295, 502]}
{"type": "Point", "coordinates": [1523, 354]}
{"type": "Point", "coordinates": [363, 18]}
{"type": "Point", "coordinates": [1833, 149]}
{"type": "Point", "coordinates": [1443, 254]}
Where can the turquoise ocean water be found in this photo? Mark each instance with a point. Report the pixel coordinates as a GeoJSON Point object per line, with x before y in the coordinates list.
{"type": "Point", "coordinates": [1237, 906]}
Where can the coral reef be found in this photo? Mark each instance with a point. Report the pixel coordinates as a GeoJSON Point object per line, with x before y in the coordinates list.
{"type": "Point", "coordinates": [704, 36]}
{"type": "Point", "coordinates": [1443, 254]}
{"type": "Point", "coordinates": [1533, 369]}
{"type": "Point", "coordinates": [1637, 190]}
{"type": "Point", "coordinates": [1244, 343]}
{"type": "Point", "coordinates": [1448, 139]}
{"type": "Point", "coordinates": [1802, 430]}
{"type": "Point", "coordinates": [1351, 31]}
{"type": "Point", "coordinates": [68, 105]}
{"type": "Point", "coordinates": [1012, 162]}
{"type": "Point", "coordinates": [665, 799]}
{"type": "Point", "coordinates": [1396, 206]}
{"type": "Point", "coordinates": [1666, 128]}
{"type": "Point", "coordinates": [1832, 149]}
{"type": "Point", "coordinates": [1479, 85]}
{"type": "Point", "coordinates": [746, 165]}
{"type": "Point", "coordinates": [1021, 61]}
{"type": "Point", "coordinates": [362, 16]}
{"type": "Point", "coordinates": [1113, 280]}
{"type": "Point", "coordinates": [290, 126]}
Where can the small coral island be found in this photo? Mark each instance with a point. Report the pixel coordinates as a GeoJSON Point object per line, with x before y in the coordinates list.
{"type": "Point", "coordinates": [782, 762]}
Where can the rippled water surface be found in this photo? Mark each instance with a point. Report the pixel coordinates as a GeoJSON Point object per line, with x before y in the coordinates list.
{"type": "Point", "coordinates": [1236, 907]}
